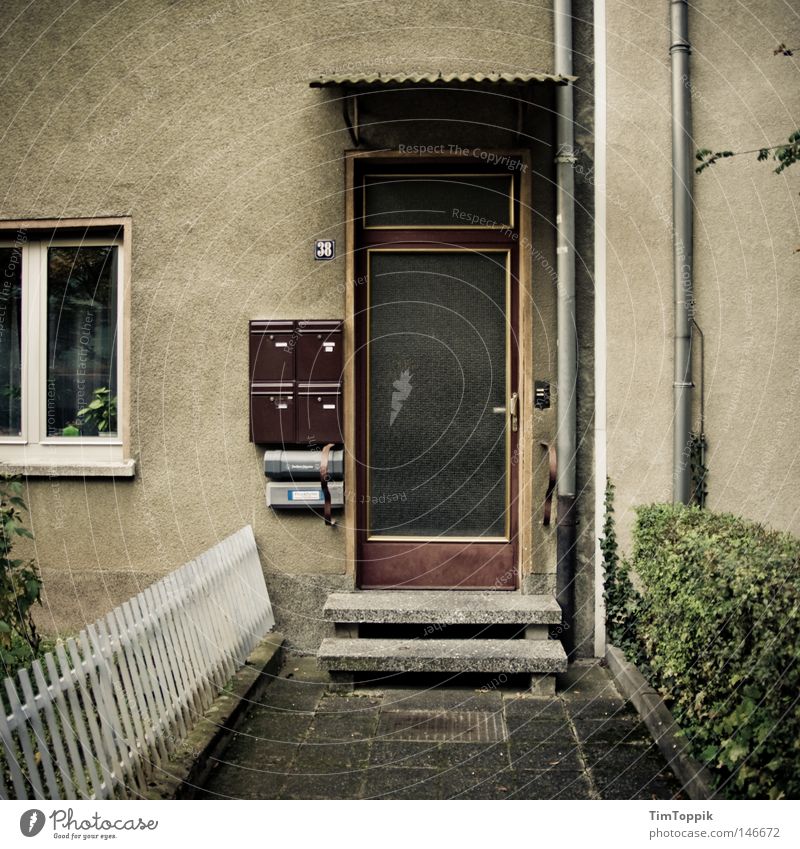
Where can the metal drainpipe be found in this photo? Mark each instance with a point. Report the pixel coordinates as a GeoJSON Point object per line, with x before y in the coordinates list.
{"type": "Point", "coordinates": [682, 173]}
{"type": "Point", "coordinates": [567, 330]}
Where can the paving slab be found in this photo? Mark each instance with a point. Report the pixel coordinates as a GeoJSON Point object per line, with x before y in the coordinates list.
{"type": "Point", "coordinates": [521, 784]}
{"type": "Point", "coordinates": [521, 730]}
{"type": "Point", "coordinates": [533, 708]}
{"type": "Point", "coordinates": [453, 698]}
{"type": "Point", "coordinates": [242, 785]}
{"type": "Point", "coordinates": [618, 756]}
{"type": "Point", "coordinates": [337, 727]}
{"type": "Point", "coordinates": [339, 786]}
{"type": "Point", "coordinates": [276, 727]}
{"type": "Point", "coordinates": [304, 741]}
{"type": "Point", "coordinates": [315, 758]}
{"type": "Point", "coordinates": [405, 783]}
{"type": "Point", "coordinates": [303, 669]}
{"type": "Point", "coordinates": [612, 730]}
{"type": "Point", "coordinates": [439, 784]}
{"type": "Point", "coordinates": [258, 755]}
{"type": "Point", "coordinates": [354, 703]}
{"type": "Point", "coordinates": [632, 772]}
{"type": "Point", "coordinates": [430, 755]}
{"type": "Point", "coordinates": [586, 682]}
{"type": "Point", "coordinates": [598, 707]}
{"type": "Point", "coordinates": [292, 696]}
{"type": "Point", "coordinates": [546, 757]}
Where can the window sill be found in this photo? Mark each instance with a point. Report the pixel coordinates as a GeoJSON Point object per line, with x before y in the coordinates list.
{"type": "Point", "coordinates": [112, 469]}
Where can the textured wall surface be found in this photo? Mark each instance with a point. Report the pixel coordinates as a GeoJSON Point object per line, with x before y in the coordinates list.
{"type": "Point", "coordinates": [197, 120]}
{"type": "Point", "coordinates": [746, 273]}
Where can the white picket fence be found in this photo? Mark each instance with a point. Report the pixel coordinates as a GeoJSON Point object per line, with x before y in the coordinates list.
{"type": "Point", "coordinates": [102, 714]}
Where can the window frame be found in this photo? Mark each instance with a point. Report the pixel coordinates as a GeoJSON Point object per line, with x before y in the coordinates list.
{"type": "Point", "coordinates": [34, 452]}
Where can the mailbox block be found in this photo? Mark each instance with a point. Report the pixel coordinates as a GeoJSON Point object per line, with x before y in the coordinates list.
{"type": "Point", "coordinates": [295, 382]}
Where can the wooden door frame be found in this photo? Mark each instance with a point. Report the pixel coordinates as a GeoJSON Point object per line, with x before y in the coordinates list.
{"type": "Point", "coordinates": [525, 445]}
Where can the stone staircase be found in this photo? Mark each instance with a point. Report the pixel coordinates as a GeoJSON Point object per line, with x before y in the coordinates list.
{"type": "Point", "coordinates": [363, 642]}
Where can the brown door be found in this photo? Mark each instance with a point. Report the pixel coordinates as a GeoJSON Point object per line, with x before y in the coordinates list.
{"type": "Point", "coordinates": [436, 377]}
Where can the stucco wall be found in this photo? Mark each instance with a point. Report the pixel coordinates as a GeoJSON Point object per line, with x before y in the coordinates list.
{"type": "Point", "coordinates": [196, 120]}
{"type": "Point", "coordinates": [747, 297]}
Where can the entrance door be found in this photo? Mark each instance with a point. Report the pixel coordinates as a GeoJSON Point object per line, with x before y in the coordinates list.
{"type": "Point", "coordinates": [437, 384]}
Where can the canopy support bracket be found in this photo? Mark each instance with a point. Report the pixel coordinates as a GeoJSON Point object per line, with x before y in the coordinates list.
{"type": "Point", "coordinates": [352, 125]}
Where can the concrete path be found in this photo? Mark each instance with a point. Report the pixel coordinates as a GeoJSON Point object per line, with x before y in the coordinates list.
{"type": "Point", "coordinates": [485, 741]}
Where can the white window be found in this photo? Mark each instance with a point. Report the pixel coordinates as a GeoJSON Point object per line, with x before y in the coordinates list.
{"type": "Point", "coordinates": [63, 348]}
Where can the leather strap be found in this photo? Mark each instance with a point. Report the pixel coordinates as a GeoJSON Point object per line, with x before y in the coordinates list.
{"type": "Point", "coordinates": [551, 483]}
{"type": "Point", "coordinates": [324, 478]}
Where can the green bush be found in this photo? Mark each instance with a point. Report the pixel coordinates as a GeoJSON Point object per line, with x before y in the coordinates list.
{"type": "Point", "coordinates": [20, 586]}
{"type": "Point", "coordinates": [621, 600]}
{"type": "Point", "coordinates": [718, 621]}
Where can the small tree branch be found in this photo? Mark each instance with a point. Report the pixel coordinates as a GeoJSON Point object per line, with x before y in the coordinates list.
{"type": "Point", "coordinates": [785, 154]}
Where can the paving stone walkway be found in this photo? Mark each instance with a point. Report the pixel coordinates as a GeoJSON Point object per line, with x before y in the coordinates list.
{"type": "Point", "coordinates": [484, 741]}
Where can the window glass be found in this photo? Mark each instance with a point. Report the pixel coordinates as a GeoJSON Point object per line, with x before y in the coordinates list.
{"type": "Point", "coordinates": [471, 201]}
{"type": "Point", "coordinates": [81, 341]}
{"type": "Point", "coordinates": [437, 364]}
{"type": "Point", "coordinates": [10, 341]}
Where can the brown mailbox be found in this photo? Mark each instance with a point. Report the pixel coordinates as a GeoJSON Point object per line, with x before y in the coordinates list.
{"type": "Point", "coordinates": [319, 412]}
{"type": "Point", "coordinates": [272, 350]}
{"type": "Point", "coordinates": [296, 381]}
{"type": "Point", "coordinates": [318, 354]}
{"type": "Point", "coordinates": [272, 412]}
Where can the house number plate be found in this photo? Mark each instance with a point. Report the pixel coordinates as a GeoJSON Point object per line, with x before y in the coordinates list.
{"type": "Point", "coordinates": [325, 249]}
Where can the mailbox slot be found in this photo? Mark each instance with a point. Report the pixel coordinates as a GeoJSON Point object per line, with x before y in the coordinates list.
{"type": "Point", "coordinates": [319, 412]}
{"type": "Point", "coordinates": [302, 465]}
{"type": "Point", "coordinates": [272, 350]}
{"type": "Point", "coordinates": [318, 354]}
{"type": "Point", "coordinates": [272, 412]}
{"type": "Point", "coordinates": [298, 495]}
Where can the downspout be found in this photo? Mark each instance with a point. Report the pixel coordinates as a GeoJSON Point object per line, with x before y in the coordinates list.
{"type": "Point", "coordinates": [682, 165]}
{"type": "Point", "coordinates": [567, 331]}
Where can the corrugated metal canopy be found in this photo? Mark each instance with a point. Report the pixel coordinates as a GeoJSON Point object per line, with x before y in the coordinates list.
{"type": "Point", "coordinates": [364, 80]}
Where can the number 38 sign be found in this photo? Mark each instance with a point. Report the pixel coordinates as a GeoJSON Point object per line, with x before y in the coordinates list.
{"type": "Point", "coordinates": [324, 249]}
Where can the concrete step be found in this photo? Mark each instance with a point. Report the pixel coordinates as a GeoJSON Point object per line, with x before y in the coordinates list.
{"type": "Point", "coordinates": [444, 607]}
{"type": "Point", "coordinates": [341, 654]}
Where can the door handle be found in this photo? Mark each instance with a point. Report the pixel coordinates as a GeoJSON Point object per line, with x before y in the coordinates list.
{"type": "Point", "coordinates": [513, 405]}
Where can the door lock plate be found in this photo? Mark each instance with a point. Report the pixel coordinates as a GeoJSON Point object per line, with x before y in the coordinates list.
{"type": "Point", "coordinates": [513, 406]}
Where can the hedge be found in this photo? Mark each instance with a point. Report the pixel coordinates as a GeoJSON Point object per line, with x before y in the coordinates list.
{"type": "Point", "coordinates": [715, 626]}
